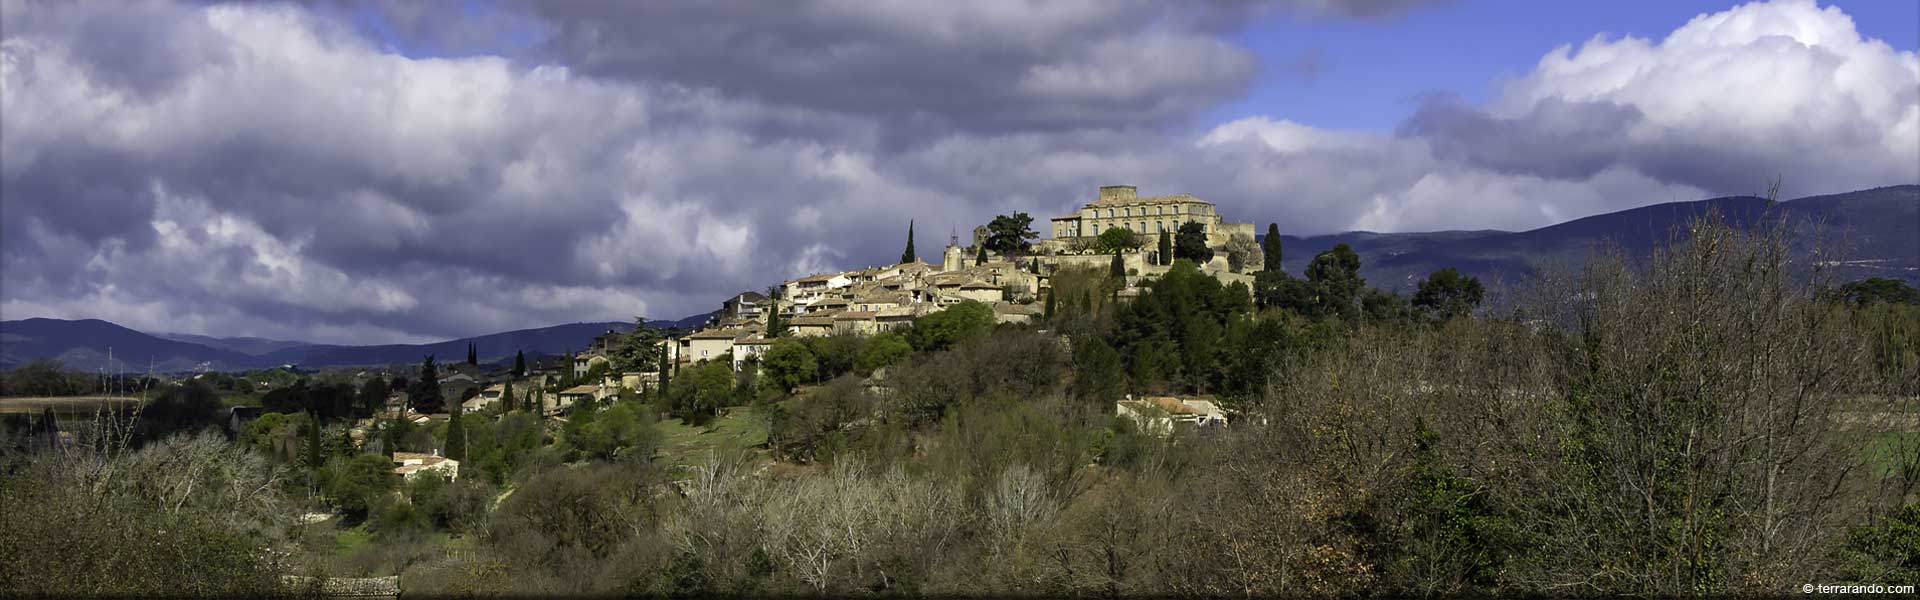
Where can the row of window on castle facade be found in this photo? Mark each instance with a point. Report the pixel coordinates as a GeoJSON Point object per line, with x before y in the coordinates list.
{"type": "Point", "coordinates": [1157, 210]}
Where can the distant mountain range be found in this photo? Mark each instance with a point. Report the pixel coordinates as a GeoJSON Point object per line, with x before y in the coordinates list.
{"type": "Point", "coordinates": [1872, 233]}
{"type": "Point", "coordinates": [84, 345]}
{"type": "Point", "coordinates": [1875, 233]}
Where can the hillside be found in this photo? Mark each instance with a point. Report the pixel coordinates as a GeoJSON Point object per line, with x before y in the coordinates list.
{"type": "Point", "coordinates": [1873, 233]}
{"type": "Point", "coordinates": [83, 345]}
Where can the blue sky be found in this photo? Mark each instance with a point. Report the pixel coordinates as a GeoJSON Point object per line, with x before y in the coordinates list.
{"type": "Point", "coordinates": [1371, 72]}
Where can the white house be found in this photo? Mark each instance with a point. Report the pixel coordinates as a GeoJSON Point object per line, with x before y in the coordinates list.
{"type": "Point", "coordinates": [410, 465]}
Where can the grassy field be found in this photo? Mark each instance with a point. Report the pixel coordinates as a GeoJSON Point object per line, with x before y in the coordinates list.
{"type": "Point", "coordinates": [62, 405]}
{"type": "Point", "coordinates": [740, 429]}
{"type": "Point", "coordinates": [1886, 451]}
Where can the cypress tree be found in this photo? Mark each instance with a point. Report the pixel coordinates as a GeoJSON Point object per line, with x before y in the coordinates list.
{"type": "Point", "coordinates": [909, 255]}
{"type": "Point", "coordinates": [660, 382]}
{"type": "Point", "coordinates": [313, 440]}
{"type": "Point", "coordinates": [774, 326]}
{"type": "Point", "coordinates": [1036, 265]}
{"type": "Point", "coordinates": [1166, 248]}
{"type": "Point", "coordinates": [1270, 248]}
{"type": "Point", "coordinates": [519, 363]}
{"type": "Point", "coordinates": [981, 258]}
{"type": "Point", "coordinates": [506, 398]}
{"type": "Point", "coordinates": [456, 437]}
{"type": "Point", "coordinates": [473, 354]}
{"type": "Point", "coordinates": [1119, 267]}
{"type": "Point", "coordinates": [1049, 315]}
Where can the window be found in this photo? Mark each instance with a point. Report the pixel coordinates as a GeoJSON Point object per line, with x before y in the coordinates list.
{"type": "Point", "coordinates": [1126, 212]}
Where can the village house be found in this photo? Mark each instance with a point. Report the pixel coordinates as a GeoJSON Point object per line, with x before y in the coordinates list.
{"type": "Point", "coordinates": [567, 398]}
{"type": "Point", "coordinates": [748, 347]}
{"type": "Point", "coordinates": [855, 322]}
{"type": "Point", "coordinates": [409, 465]}
{"type": "Point", "coordinates": [744, 305]}
{"type": "Point", "coordinates": [1159, 415]}
{"type": "Point", "coordinates": [811, 325]}
{"type": "Point", "coordinates": [707, 344]}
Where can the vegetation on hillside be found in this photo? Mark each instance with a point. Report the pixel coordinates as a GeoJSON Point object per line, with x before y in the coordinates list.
{"type": "Point", "coordinates": [1702, 420]}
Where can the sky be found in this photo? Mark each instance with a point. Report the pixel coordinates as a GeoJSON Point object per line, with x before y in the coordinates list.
{"type": "Point", "coordinates": [352, 171]}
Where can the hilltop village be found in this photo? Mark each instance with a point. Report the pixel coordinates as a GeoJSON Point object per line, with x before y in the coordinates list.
{"type": "Point", "coordinates": [1002, 266]}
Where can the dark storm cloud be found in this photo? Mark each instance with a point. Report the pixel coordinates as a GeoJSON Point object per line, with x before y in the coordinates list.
{"type": "Point", "coordinates": [308, 171]}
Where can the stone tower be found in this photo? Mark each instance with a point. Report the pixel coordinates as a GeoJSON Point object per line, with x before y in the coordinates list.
{"type": "Point", "coordinates": [954, 259]}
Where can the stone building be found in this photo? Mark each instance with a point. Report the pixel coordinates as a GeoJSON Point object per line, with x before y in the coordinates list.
{"type": "Point", "coordinates": [1122, 206]}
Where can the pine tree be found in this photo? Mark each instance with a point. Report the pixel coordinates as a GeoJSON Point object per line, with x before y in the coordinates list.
{"type": "Point", "coordinates": [981, 258]}
{"type": "Point", "coordinates": [908, 255]}
{"type": "Point", "coordinates": [506, 398]}
{"type": "Point", "coordinates": [456, 437]}
{"type": "Point", "coordinates": [1166, 248]}
{"type": "Point", "coordinates": [424, 394]}
{"type": "Point", "coordinates": [519, 363]}
{"type": "Point", "coordinates": [1270, 248]}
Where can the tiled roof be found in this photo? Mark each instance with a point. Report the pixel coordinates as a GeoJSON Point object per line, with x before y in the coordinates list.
{"type": "Point", "coordinates": [854, 315]}
{"type": "Point", "coordinates": [580, 389]}
{"type": "Point", "coordinates": [1148, 200]}
{"type": "Point", "coordinates": [813, 320]}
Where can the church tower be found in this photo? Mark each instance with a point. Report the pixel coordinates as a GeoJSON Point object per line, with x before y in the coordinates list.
{"type": "Point", "coordinates": [954, 259]}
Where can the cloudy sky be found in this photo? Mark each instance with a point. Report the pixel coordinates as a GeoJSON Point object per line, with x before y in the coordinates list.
{"type": "Point", "coordinates": [364, 172]}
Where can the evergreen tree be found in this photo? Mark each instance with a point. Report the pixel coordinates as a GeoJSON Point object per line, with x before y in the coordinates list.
{"type": "Point", "coordinates": [1166, 248]}
{"type": "Point", "coordinates": [661, 383]}
{"type": "Point", "coordinates": [1191, 243]}
{"type": "Point", "coordinates": [473, 354]}
{"type": "Point", "coordinates": [1049, 314]}
{"type": "Point", "coordinates": [537, 402]}
{"type": "Point", "coordinates": [908, 255]}
{"type": "Point", "coordinates": [424, 394]}
{"type": "Point", "coordinates": [981, 259]}
{"type": "Point", "coordinates": [1270, 248]}
{"type": "Point", "coordinates": [1086, 302]}
{"type": "Point", "coordinates": [774, 326]}
{"type": "Point", "coordinates": [519, 363]}
{"type": "Point", "coordinates": [506, 397]}
{"type": "Point", "coordinates": [456, 437]}
{"type": "Point", "coordinates": [1119, 267]}
{"type": "Point", "coordinates": [313, 441]}
{"type": "Point", "coordinates": [1036, 265]}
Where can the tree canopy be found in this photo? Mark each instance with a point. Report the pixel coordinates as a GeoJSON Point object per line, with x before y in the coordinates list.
{"type": "Point", "coordinates": [1447, 294]}
{"type": "Point", "coordinates": [1191, 243]}
{"type": "Point", "coordinates": [1118, 239]}
{"type": "Point", "coordinates": [1009, 235]}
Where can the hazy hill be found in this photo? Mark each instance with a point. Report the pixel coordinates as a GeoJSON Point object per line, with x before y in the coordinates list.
{"type": "Point", "coordinates": [245, 345]}
{"type": "Point", "coordinates": [1874, 232]}
{"type": "Point", "coordinates": [83, 345]}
